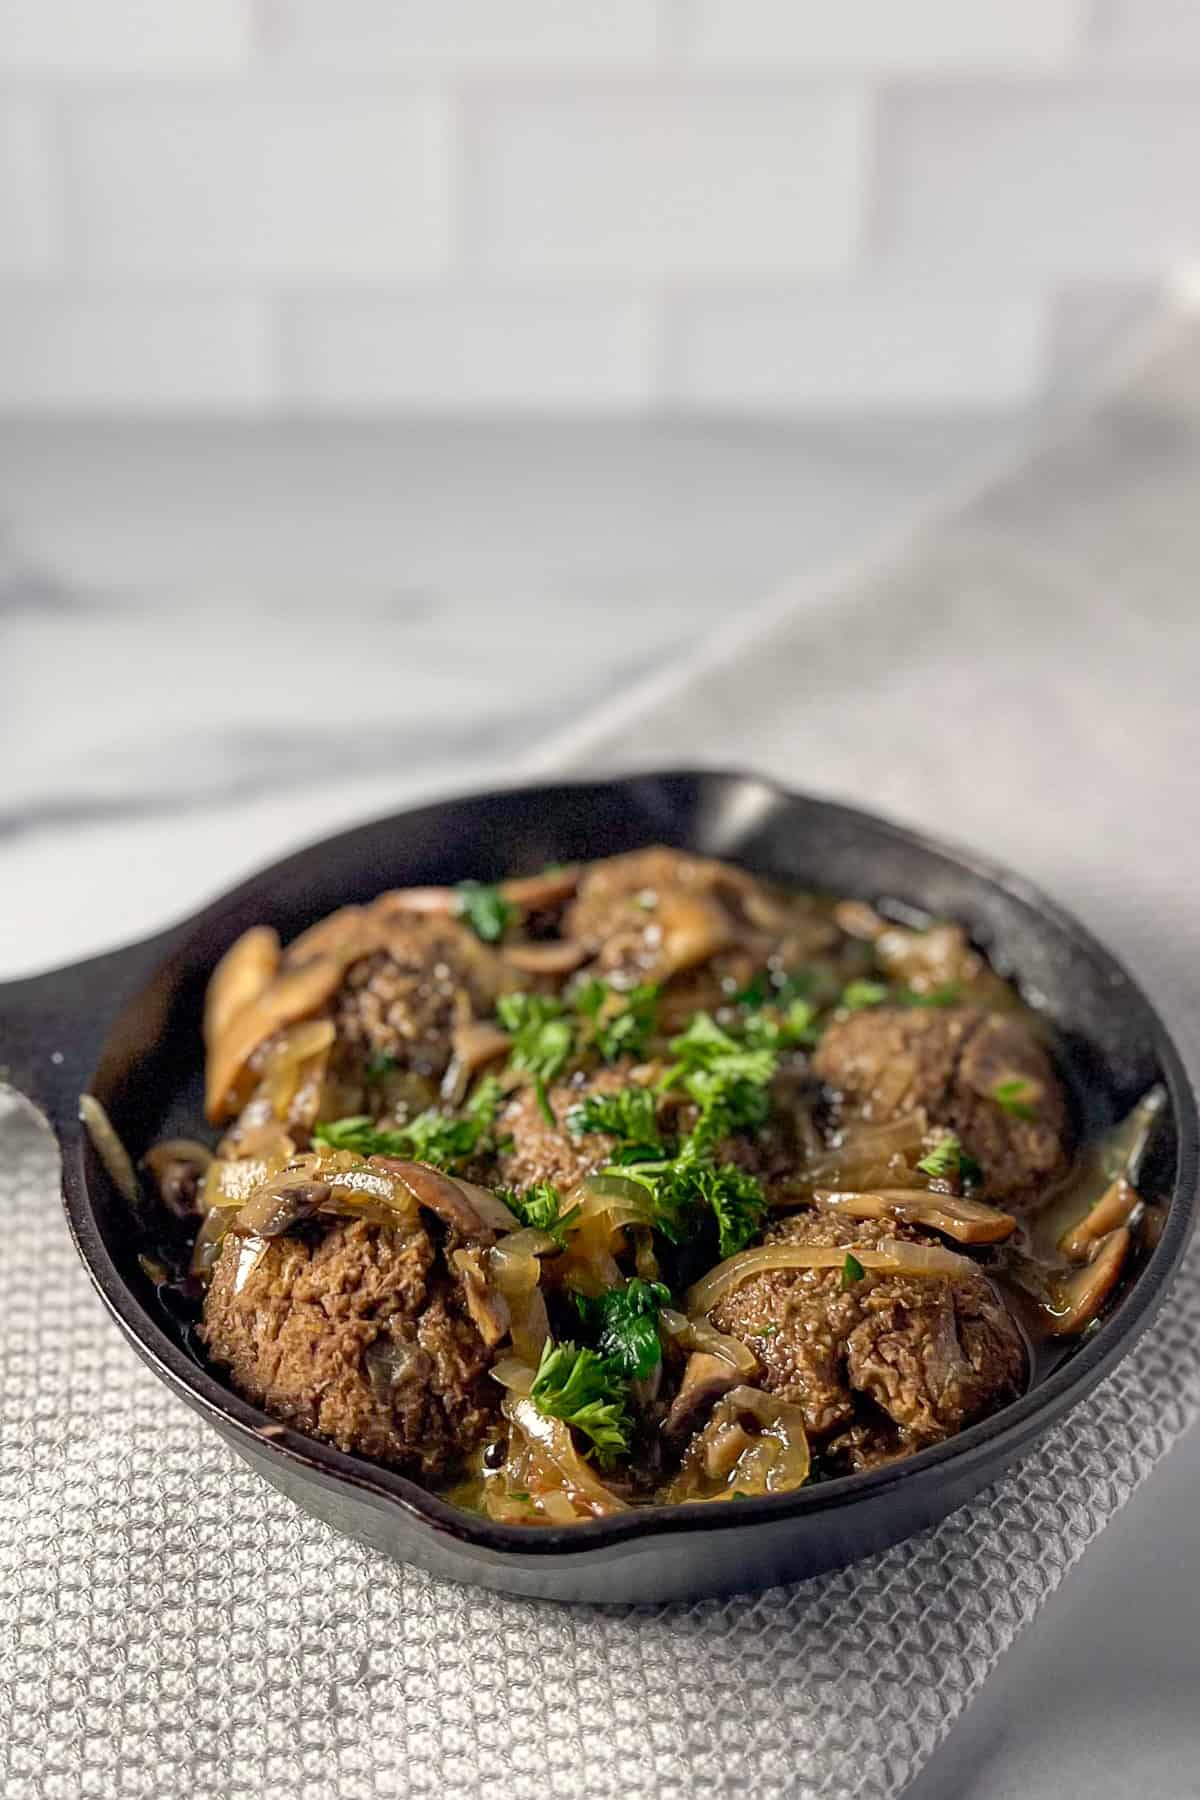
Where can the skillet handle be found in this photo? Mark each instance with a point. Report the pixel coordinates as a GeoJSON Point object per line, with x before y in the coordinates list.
{"type": "Point", "coordinates": [53, 1026]}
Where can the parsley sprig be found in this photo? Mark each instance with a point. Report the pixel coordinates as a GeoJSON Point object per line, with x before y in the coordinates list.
{"type": "Point", "coordinates": [542, 1040]}
{"type": "Point", "coordinates": [539, 1207]}
{"type": "Point", "coordinates": [619, 1024]}
{"type": "Point", "coordinates": [446, 1140]}
{"type": "Point", "coordinates": [485, 909]}
{"type": "Point", "coordinates": [625, 1323]}
{"type": "Point", "coordinates": [1018, 1096]}
{"type": "Point", "coordinates": [949, 1160]}
{"type": "Point", "coordinates": [588, 1393]}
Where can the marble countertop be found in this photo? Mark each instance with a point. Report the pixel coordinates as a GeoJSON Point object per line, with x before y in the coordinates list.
{"type": "Point", "coordinates": [222, 642]}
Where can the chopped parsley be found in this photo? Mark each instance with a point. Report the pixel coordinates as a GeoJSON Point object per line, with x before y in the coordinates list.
{"type": "Point", "coordinates": [585, 1391]}
{"type": "Point", "coordinates": [539, 1208]}
{"type": "Point", "coordinates": [1018, 1096]}
{"type": "Point", "coordinates": [857, 995]}
{"type": "Point", "coordinates": [485, 909]}
{"type": "Point", "coordinates": [852, 1271]}
{"type": "Point", "coordinates": [727, 1080]}
{"type": "Point", "coordinates": [948, 994]}
{"type": "Point", "coordinates": [621, 1024]}
{"type": "Point", "coordinates": [948, 1159]}
{"type": "Point", "coordinates": [625, 1321]}
{"type": "Point", "coordinates": [629, 1114]}
{"type": "Point", "coordinates": [798, 1025]}
{"type": "Point", "coordinates": [442, 1139]}
{"type": "Point", "coordinates": [695, 1183]}
{"type": "Point", "coordinates": [542, 1041]}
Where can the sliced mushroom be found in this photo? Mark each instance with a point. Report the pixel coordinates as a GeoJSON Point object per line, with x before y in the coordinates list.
{"type": "Point", "coordinates": [345, 934]}
{"type": "Point", "coordinates": [277, 1205]}
{"type": "Point", "coordinates": [488, 1309]}
{"type": "Point", "coordinates": [294, 994]}
{"type": "Point", "coordinates": [244, 972]}
{"type": "Point", "coordinates": [1081, 1296]}
{"type": "Point", "coordinates": [550, 888]}
{"type": "Point", "coordinates": [1115, 1207]}
{"type": "Point", "coordinates": [858, 920]}
{"type": "Point", "coordinates": [438, 1194]}
{"type": "Point", "coordinates": [110, 1149]}
{"type": "Point", "coordinates": [557, 956]}
{"type": "Point", "coordinates": [706, 1379]}
{"type": "Point", "coordinates": [693, 929]}
{"type": "Point", "coordinates": [177, 1167]}
{"type": "Point", "coordinates": [439, 900]}
{"type": "Point", "coordinates": [473, 1046]}
{"type": "Point", "coordinates": [966, 1221]}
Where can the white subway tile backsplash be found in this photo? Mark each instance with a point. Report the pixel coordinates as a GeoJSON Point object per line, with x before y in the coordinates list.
{"type": "Point", "coordinates": [238, 184]}
{"type": "Point", "coordinates": [883, 36]}
{"type": "Point", "coordinates": [477, 36]}
{"type": "Point", "coordinates": [844, 349]}
{"type": "Point", "coordinates": [59, 39]}
{"type": "Point", "coordinates": [669, 185]}
{"type": "Point", "coordinates": [1026, 184]}
{"type": "Point", "coordinates": [28, 234]}
{"type": "Point", "coordinates": [133, 353]}
{"type": "Point", "coordinates": [439, 352]}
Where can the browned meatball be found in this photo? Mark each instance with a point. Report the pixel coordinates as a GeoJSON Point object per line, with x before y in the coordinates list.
{"type": "Point", "coordinates": [541, 1152]}
{"type": "Point", "coordinates": [361, 1337]}
{"type": "Point", "coordinates": [949, 1060]}
{"type": "Point", "coordinates": [928, 1354]}
{"type": "Point", "coordinates": [404, 1000]}
{"type": "Point", "coordinates": [650, 915]}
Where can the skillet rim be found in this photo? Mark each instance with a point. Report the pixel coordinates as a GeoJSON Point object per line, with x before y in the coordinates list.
{"type": "Point", "coordinates": [992, 1441]}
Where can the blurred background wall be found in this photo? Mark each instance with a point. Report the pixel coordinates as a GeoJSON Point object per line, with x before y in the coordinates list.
{"type": "Point", "coordinates": [634, 206]}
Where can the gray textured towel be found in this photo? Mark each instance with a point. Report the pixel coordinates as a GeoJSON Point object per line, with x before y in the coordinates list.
{"type": "Point", "coordinates": [1025, 678]}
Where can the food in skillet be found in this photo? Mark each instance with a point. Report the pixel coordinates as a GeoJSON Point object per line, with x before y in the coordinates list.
{"type": "Point", "coordinates": [644, 1180]}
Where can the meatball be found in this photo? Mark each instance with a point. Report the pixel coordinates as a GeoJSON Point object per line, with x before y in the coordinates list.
{"type": "Point", "coordinates": [539, 1151]}
{"type": "Point", "coordinates": [360, 1336]}
{"type": "Point", "coordinates": [650, 914]}
{"type": "Point", "coordinates": [888, 1363]}
{"type": "Point", "coordinates": [949, 1060]}
{"type": "Point", "coordinates": [404, 1000]}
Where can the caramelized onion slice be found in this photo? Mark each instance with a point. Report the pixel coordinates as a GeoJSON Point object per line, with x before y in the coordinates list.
{"type": "Point", "coordinates": [700, 1335]}
{"type": "Point", "coordinates": [345, 934]}
{"type": "Point", "coordinates": [294, 994]}
{"type": "Point", "coordinates": [472, 1046]}
{"type": "Point", "coordinates": [552, 1441]}
{"type": "Point", "coordinates": [110, 1149]}
{"type": "Point", "coordinates": [966, 1221]}
{"type": "Point", "coordinates": [753, 1444]}
{"type": "Point", "coordinates": [1078, 1299]}
{"type": "Point", "coordinates": [894, 1256]}
{"type": "Point", "coordinates": [244, 972]}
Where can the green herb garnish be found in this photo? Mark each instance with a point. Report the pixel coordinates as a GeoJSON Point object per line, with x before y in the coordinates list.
{"type": "Point", "coordinates": [852, 1271]}
{"type": "Point", "coordinates": [542, 1041]}
{"type": "Point", "coordinates": [620, 1025]}
{"type": "Point", "coordinates": [1017, 1095]}
{"type": "Point", "coordinates": [625, 1321]}
{"type": "Point", "coordinates": [442, 1139]}
{"type": "Point", "coordinates": [727, 1080]}
{"type": "Point", "coordinates": [857, 995]}
{"type": "Point", "coordinates": [694, 1183]}
{"type": "Point", "coordinates": [948, 994]}
{"type": "Point", "coordinates": [948, 1159]}
{"type": "Point", "coordinates": [585, 1391]}
{"type": "Point", "coordinates": [539, 1208]}
{"type": "Point", "coordinates": [629, 1114]}
{"type": "Point", "coordinates": [798, 1025]}
{"type": "Point", "coordinates": [485, 909]}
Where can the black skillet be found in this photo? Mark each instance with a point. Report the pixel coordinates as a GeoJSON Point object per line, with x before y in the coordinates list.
{"type": "Point", "coordinates": [126, 1026]}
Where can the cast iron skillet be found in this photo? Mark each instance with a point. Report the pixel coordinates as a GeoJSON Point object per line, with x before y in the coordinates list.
{"type": "Point", "coordinates": [126, 1026]}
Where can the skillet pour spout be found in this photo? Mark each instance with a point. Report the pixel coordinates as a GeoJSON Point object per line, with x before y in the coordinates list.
{"type": "Point", "coordinates": [126, 1027]}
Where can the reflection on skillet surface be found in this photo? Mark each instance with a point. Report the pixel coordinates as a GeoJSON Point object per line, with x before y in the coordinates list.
{"type": "Point", "coordinates": [638, 1181]}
